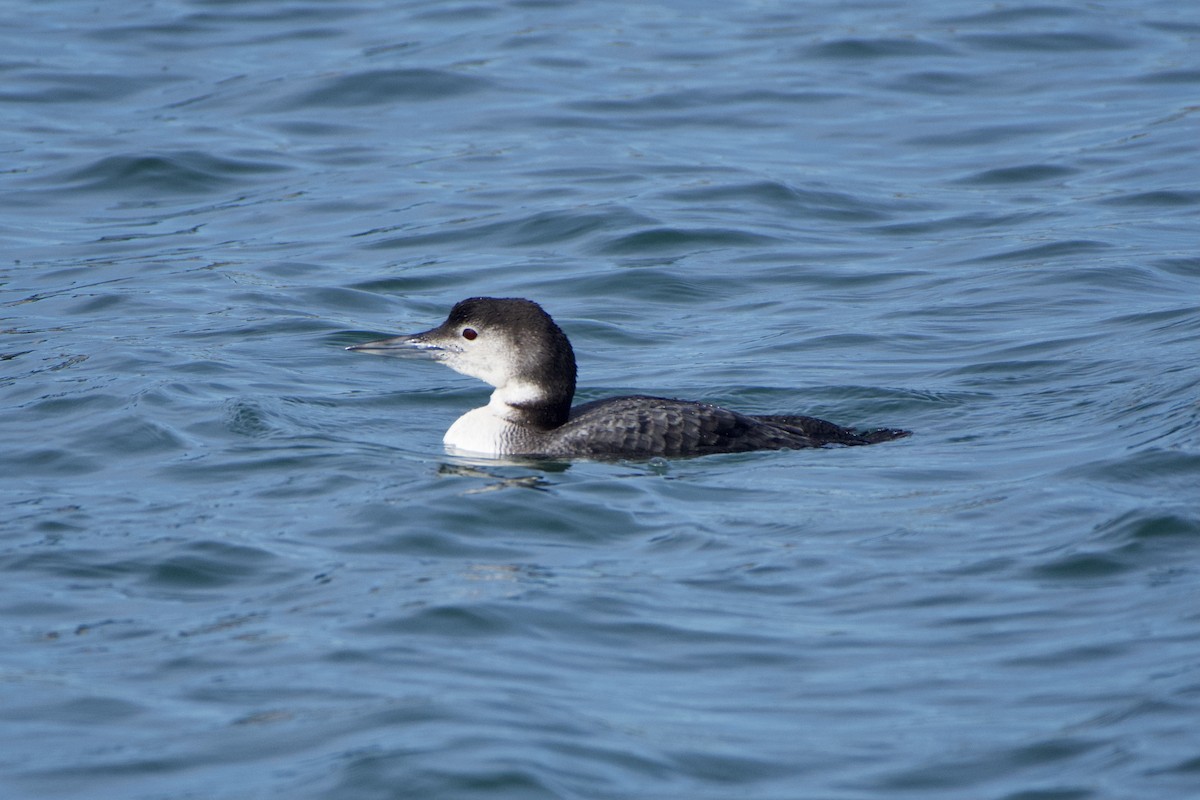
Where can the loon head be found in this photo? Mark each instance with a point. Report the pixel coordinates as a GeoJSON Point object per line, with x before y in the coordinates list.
{"type": "Point", "coordinates": [508, 342]}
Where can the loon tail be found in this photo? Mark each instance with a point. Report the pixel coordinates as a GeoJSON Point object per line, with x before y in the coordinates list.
{"type": "Point", "coordinates": [824, 432]}
{"type": "Point", "coordinates": [883, 435]}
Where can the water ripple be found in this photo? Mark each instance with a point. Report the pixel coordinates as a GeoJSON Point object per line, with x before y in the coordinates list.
{"type": "Point", "coordinates": [184, 172]}
{"type": "Point", "coordinates": [374, 87]}
{"type": "Point", "coordinates": [1051, 42]}
{"type": "Point", "coordinates": [236, 556]}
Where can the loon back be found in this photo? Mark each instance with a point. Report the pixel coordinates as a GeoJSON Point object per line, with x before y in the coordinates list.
{"type": "Point", "coordinates": [640, 424]}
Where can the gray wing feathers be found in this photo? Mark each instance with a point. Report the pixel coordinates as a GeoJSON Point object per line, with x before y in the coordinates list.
{"type": "Point", "coordinates": [638, 426]}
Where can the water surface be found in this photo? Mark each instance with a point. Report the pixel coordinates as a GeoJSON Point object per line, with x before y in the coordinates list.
{"type": "Point", "coordinates": [238, 564]}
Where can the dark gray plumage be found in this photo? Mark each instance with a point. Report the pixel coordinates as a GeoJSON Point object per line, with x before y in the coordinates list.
{"type": "Point", "coordinates": [641, 425]}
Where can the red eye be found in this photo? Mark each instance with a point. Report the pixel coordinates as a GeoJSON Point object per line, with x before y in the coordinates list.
{"type": "Point", "coordinates": [469, 334]}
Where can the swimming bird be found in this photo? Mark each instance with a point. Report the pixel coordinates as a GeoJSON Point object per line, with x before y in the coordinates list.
{"type": "Point", "coordinates": [514, 345]}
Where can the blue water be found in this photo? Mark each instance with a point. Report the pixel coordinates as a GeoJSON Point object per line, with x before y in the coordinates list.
{"type": "Point", "coordinates": [237, 564]}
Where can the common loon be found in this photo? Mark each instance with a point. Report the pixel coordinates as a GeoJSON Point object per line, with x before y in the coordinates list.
{"type": "Point", "coordinates": [515, 346]}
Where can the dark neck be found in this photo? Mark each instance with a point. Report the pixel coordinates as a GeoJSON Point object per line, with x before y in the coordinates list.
{"type": "Point", "coordinates": [555, 379]}
{"type": "Point", "coordinates": [545, 374]}
{"type": "Point", "coordinates": [542, 415]}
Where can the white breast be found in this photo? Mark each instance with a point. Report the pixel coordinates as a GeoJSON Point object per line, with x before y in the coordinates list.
{"type": "Point", "coordinates": [479, 431]}
{"type": "Point", "coordinates": [488, 430]}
